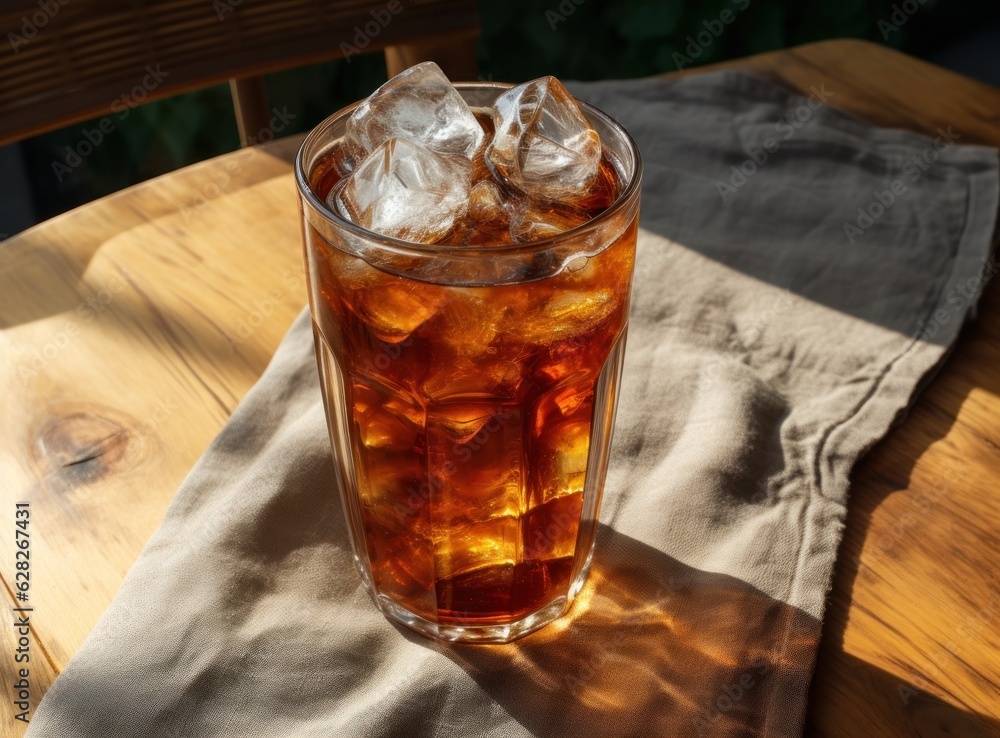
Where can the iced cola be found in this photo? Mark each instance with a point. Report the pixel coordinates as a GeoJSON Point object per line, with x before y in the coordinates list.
{"type": "Point", "coordinates": [470, 254]}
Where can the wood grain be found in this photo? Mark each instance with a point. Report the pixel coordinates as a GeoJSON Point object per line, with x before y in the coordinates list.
{"type": "Point", "coordinates": [131, 327]}
{"type": "Point", "coordinates": [91, 58]}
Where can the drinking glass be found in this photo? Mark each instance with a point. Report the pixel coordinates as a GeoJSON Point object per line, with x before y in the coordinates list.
{"type": "Point", "coordinates": [470, 394]}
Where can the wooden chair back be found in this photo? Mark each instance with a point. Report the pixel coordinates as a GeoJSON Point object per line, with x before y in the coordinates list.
{"type": "Point", "coordinates": [69, 60]}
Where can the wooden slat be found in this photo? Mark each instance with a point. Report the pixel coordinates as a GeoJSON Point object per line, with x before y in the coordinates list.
{"type": "Point", "coordinates": [91, 52]}
{"type": "Point", "coordinates": [250, 105]}
{"type": "Point", "coordinates": [454, 53]}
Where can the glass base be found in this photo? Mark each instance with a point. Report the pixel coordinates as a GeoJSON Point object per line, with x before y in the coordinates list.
{"type": "Point", "coordinates": [473, 633]}
{"type": "Point", "coordinates": [483, 633]}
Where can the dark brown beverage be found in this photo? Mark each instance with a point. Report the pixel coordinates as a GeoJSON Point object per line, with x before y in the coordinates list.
{"type": "Point", "coordinates": [473, 412]}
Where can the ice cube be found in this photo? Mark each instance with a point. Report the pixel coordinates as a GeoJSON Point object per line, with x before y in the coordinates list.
{"type": "Point", "coordinates": [406, 191]}
{"type": "Point", "coordinates": [392, 306]}
{"type": "Point", "coordinates": [395, 307]}
{"type": "Point", "coordinates": [550, 529]}
{"type": "Point", "coordinates": [475, 455]}
{"type": "Point", "coordinates": [487, 203]}
{"type": "Point", "coordinates": [362, 397]}
{"type": "Point", "coordinates": [471, 376]}
{"type": "Point", "coordinates": [480, 167]}
{"type": "Point", "coordinates": [487, 219]}
{"type": "Point", "coordinates": [567, 315]}
{"type": "Point", "coordinates": [573, 312]}
{"type": "Point", "coordinates": [379, 429]}
{"type": "Point", "coordinates": [543, 144]}
{"type": "Point", "coordinates": [403, 568]}
{"type": "Point", "coordinates": [562, 461]}
{"type": "Point", "coordinates": [419, 104]}
{"type": "Point", "coordinates": [568, 402]}
{"type": "Point", "coordinates": [533, 220]}
{"type": "Point", "coordinates": [460, 422]}
{"type": "Point", "coordinates": [466, 548]}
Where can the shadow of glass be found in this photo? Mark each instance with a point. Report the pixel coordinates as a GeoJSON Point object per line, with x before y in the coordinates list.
{"type": "Point", "coordinates": [654, 647]}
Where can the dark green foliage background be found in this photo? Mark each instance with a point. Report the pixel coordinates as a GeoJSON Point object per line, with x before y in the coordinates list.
{"type": "Point", "coordinates": [522, 39]}
{"type": "Point", "coordinates": [599, 40]}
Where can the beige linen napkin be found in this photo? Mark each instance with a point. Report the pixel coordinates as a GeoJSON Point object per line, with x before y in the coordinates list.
{"type": "Point", "coordinates": [777, 333]}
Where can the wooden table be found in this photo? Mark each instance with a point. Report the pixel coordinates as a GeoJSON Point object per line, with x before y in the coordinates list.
{"type": "Point", "coordinates": [131, 327]}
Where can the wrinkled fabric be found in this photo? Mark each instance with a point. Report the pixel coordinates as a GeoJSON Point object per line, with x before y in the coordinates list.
{"type": "Point", "coordinates": [769, 347]}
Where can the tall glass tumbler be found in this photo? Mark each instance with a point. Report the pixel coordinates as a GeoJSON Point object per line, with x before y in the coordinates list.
{"type": "Point", "coordinates": [470, 395]}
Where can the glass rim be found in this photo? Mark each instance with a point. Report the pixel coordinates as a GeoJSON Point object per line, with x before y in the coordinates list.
{"type": "Point", "coordinates": [401, 246]}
